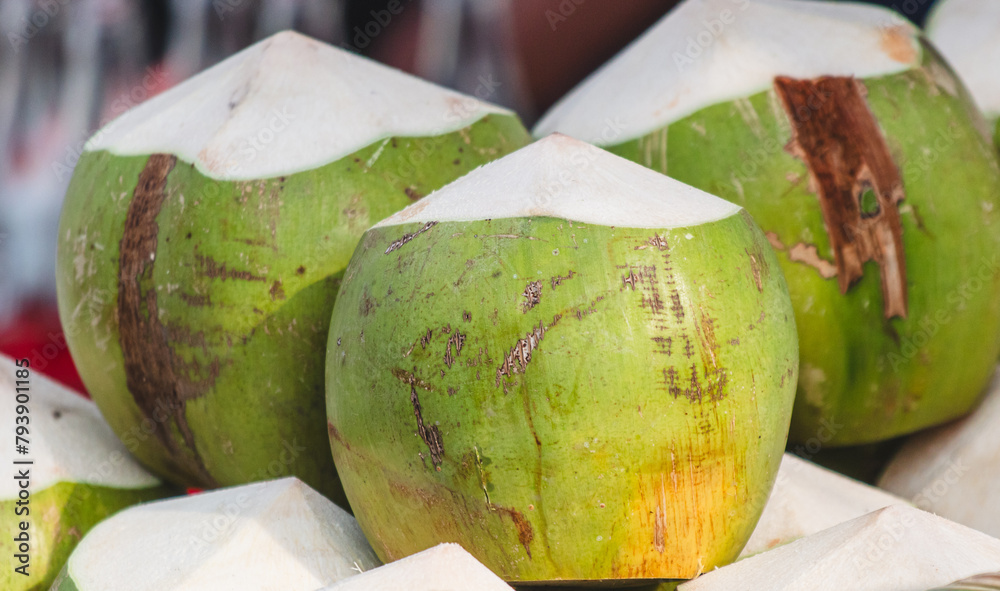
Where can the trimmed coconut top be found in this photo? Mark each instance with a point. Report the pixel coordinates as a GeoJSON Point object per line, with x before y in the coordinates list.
{"type": "Point", "coordinates": [445, 567]}
{"type": "Point", "coordinates": [951, 470]}
{"type": "Point", "coordinates": [897, 548]}
{"type": "Point", "coordinates": [565, 178]}
{"type": "Point", "coordinates": [286, 104]}
{"type": "Point", "coordinates": [269, 535]}
{"type": "Point", "coordinates": [706, 52]}
{"type": "Point", "coordinates": [967, 32]}
{"type": "Point", "coordinates": [807, 499]}
{"type": "Point", "coordinates": [70, 441]}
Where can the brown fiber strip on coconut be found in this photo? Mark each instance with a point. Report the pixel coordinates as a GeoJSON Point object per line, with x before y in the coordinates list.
{"type": "Point", "coordinates": [807, 499]}
{"type": "Point", "coordinates": [898, 548]}
{"type": "Point", "coordinates": [952, 470]}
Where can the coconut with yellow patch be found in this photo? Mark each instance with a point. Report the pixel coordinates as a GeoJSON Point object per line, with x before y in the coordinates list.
{"type": "Point", "coordinates": [861, 156]}
{"type": "Point", "coordinates": [575, 367]}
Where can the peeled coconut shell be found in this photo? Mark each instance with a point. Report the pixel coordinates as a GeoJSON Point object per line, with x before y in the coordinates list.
{"type": "Point", "coordinates": [807, 499]}
{"type": "Point", "coordinates": [952, 470]}
{"type": "Point", "coordinates": [897, 548]}
{"type": "Point", "coordinates": [79, 473]}
{"type": "Point", "coordinates": [279, 534]}
{"type": "Point", "coordinates": [445, 567]}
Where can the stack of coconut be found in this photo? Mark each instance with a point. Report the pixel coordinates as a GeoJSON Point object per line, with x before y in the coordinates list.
{"type": "Point", "coordinates": [543, 363]}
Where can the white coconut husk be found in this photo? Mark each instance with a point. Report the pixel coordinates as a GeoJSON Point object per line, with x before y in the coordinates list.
{"type": "Point", "coordinates": [897, 548]}
{"type": "Point", "coordinates": [807, 499]}
{"type": "Point", "coordinates": [534, 181]}
{"type": "Point", "coordinates": [307, 103]}
{"type": "Point", "coordinates": [967, 32]}
{"type": "Point", "coordinates": [952, 470]}
{"type": "Point", "coordinates": [445, 567]}
{"type": "Point", "coordinates": [270, 535]}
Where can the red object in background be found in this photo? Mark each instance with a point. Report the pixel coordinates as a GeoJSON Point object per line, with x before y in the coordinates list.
{"type": "Point", "coordinates": [36, 334]}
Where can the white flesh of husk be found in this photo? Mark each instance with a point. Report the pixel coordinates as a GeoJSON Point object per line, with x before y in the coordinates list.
{"type": "Point", "coordinates": [445, 567]}
{"type": "Point", "coordinates": [279, 534]}
{"type": "Point", "coordinates": [706, 52]}
{"type": "Point", "coordinates": [537, 181]}
{"type": "Point", "coordinates": [967, 33]}
{"type": "Point", "coordinates": [897, 548]}
{"type": "Point", "coordinates": [69, 439]}
{"type": "Point", "coordinates": [954, 470]}
{"type": "Point", "coordinates": [807, 499]}
{"type": "Point", "coordinates": [286, 104]}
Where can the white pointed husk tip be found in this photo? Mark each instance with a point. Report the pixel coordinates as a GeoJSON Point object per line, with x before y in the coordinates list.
{"type": "Point", "coordinates": [706, 52]}
{"type": "Point", "coordinates": [561, 177]}
{"type": "Point", "coordinates": [286, 104]}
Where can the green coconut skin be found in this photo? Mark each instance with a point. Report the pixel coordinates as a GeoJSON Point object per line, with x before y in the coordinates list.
{"type": "Point", "coordinates": [864, 378]}
{"type": "Point", "coordinates": [60, 516]}
{"type": "Point", "coordinates": [243, 280]}
{"type": "Point", "coordinates": [584, 463]}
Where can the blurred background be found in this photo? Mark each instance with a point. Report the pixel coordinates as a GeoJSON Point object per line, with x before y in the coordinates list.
{"type": "Point", "coordinates": [68, 67]}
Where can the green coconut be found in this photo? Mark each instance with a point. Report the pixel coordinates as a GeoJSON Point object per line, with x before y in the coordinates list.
{"type": "Point", "coordinates": [205, 234]}
{"type": "Point", "coordinates": [966, 33]}
{"type": "Point", "coordinates": [74, 473]}
{"type": "Point", "coordinates": [278, 534]}
{"type": "Point", "coordinates": [870, 170]}
{"type": "Point", "coordinates": [576, 368]}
